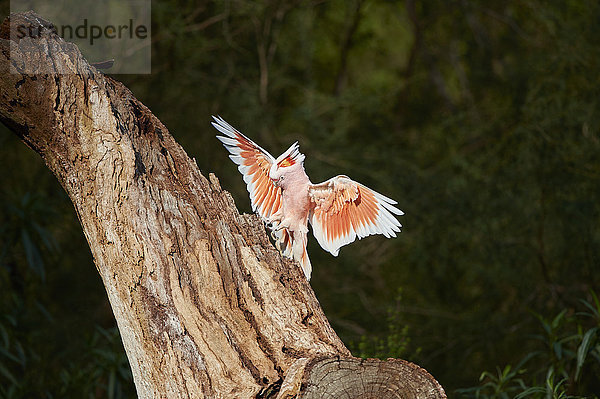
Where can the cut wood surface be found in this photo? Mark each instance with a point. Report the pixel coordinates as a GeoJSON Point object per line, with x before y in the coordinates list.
{"type": "Point", "coordinates": [205, 305]}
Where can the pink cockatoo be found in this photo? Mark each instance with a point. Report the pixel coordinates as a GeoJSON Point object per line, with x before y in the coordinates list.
{"type": "Point", "coordinates": [339, 209]}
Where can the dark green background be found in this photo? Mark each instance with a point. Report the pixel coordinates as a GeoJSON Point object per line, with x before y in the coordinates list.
{"type": "Point", "coordinates": [481, 118]}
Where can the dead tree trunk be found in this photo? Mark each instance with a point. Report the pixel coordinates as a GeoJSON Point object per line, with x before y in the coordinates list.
{"type": "Point", "coordinates": [205, 305]}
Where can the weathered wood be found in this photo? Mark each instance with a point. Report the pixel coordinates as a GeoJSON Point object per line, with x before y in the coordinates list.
{"type": "Point", "coordinates": [205, 305]}
{"type": "Point", "coordinates": [368, 379]}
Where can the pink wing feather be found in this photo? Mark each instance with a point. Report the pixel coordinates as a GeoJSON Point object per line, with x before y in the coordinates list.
{"type": "Point", "coordinates": [254, 164]}
{"type": "Point", "coordinates": [345, 209]}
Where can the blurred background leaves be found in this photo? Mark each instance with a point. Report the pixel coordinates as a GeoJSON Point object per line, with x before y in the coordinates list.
{"type": "Point", "coordinates": [480, 117]}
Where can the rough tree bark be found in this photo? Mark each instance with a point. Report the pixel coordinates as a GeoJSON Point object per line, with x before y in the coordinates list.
{"type": "Point", "coordinates": [205, 305]}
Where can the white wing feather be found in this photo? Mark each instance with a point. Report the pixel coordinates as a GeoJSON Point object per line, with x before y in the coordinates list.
{"type": "Point", "coordinates": [253, 163]}
{"type": "Point", "coordinates": [345, 209]}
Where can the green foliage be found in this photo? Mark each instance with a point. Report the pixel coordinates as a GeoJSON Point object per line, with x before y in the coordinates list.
{"type": "Point", "coordinates": [103, 370]}
{"type": "Point", "coordinates": [394, 343]}
{"type": "Point", "coordinates": [37, 358]}
{"type": "Point", "coordinates": [22, 233]}
{"type": "Point", "coordinates": [105, 373]}
{"type": "Point", "coordinates": [566, 366]}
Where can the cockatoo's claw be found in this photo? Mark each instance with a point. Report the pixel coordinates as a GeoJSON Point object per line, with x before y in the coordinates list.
{"type": "Point", "coordinates": [276, 225]}
{"type": "Point", "coordinates": [272, 225]}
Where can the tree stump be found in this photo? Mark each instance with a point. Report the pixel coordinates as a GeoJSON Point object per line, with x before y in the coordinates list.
{"type": "Point", "coordinates": [205, 305]}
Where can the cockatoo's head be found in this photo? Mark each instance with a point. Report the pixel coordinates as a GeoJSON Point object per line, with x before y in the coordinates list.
{"type": "Point", "coordinates": [286, 166]}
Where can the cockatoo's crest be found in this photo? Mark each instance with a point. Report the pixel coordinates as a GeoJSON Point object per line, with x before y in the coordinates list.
{"type": "Point", "coordinates": [290, 157]}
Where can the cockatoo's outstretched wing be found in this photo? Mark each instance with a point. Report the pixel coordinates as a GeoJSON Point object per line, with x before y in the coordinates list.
{"type": "Point", "coordinates": [254, 164]}
{"type": "Point", "coordinates": [345, 209]}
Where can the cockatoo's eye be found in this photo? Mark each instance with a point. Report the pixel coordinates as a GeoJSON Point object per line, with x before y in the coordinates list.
{"type": "Point", "coordinates": [277, 181]}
